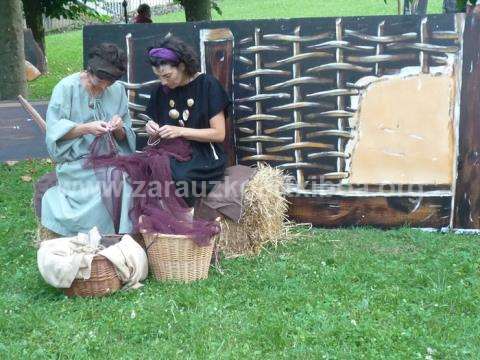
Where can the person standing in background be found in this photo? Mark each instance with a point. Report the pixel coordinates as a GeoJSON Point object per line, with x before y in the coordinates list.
{"type": "Point", "coordinates": [144, 15]}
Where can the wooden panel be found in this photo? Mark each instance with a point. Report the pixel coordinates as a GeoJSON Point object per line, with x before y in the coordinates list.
{"type": "Point", "coordinates": [219, 63]}
{"type": "Point", "coordinates": [384, 212]}
{"type": "Point", "coordinates": [467, 195]}
{"type": "Point", "coordinates": [20, 137]}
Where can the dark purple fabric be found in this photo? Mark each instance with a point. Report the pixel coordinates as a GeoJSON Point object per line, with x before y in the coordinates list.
{"type": "Point", "coordinates": [164, 54]}
{"type": "Point", "coordinates": [154, 197]}
{"type": "Point", "coordinates": [111, 180]}
{"type": "Point", "coordinates": [142, 19]}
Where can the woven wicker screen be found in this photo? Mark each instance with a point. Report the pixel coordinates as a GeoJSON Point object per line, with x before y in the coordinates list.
{"type": "Point", "coordinates": [293, 88]}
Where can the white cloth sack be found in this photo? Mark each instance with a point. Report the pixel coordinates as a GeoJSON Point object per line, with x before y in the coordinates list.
{"type": "Point", "coordinates": [130, 260]}
{"type": "Point", "coordinates": [62, 260]}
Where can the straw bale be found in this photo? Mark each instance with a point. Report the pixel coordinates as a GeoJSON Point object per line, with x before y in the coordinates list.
{"type": "Point", "coordinates": [263, 220]}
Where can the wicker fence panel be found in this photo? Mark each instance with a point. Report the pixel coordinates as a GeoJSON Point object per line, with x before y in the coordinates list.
{"type": "Point", "coordinates": [293, 90]}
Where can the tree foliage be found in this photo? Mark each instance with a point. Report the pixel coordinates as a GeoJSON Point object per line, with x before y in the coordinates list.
{"type": "Point", "coordinates": [462, 4]}
{"type": "Point", "coordinates": [198, 10]}
{"type": "Point", "coordinates": [35, 10]}
{"type": "Point", "coordinates": [68, 9]}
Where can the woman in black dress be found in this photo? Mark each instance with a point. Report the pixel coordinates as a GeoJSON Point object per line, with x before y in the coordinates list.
{"type": "Point", "coordinates": [190, 105]}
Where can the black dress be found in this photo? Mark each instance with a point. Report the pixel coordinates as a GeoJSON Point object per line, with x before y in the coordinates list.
{"type": "Point", "coordinates": [208, 159]}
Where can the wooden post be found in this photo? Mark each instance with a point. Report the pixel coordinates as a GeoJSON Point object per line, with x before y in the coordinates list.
{"type": "Point", "coordinates": [379, 48]}
{"type": "Point", "coordinates": [297, 115]}
{"type": "Point", "coordinates": [258, 91]}
{"type": "Point", "coordinates": [131, 65]}
{"type": "Point", "coordinates": [467, 195]}
{"type": "Point", "coordinates": [341, 122]}
{"type": "Point", "coordinates": [217, 59]}
{"type": "Point", "coordinates": [424, 39]}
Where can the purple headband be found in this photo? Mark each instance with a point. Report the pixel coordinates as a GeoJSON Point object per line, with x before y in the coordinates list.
{"type": "Point", "coordinates": [164, 54]}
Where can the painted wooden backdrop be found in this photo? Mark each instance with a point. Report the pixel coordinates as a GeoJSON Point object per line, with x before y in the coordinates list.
{"type": "Point", "coordinates": [308, 97]}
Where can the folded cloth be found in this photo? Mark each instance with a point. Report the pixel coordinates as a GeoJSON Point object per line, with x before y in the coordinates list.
{"type": "Point", "coordinates": [62, 260]}
{"type": "Point", "coordinates": [130, 260]}
{"type": "Point", "coordinates": [226, 197]}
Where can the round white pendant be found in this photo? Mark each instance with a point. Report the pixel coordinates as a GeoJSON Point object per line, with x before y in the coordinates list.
{"type": "Point", "coordinates": [190, 102]}
{"type": "Point", "coordinates": [174, 114]}
{"type": "Point", "coordinates": [185, 115]}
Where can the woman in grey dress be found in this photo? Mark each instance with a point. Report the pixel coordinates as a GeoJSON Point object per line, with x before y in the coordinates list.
{"type": "Point", "coordinates": [84, 106]}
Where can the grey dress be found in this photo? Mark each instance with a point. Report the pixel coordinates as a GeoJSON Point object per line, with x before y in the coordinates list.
{"type": "Point", "coordinates": [75, 203]}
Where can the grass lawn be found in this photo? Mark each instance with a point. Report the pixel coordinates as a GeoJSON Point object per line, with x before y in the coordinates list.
{"type": "Point", "coordinates": [65, 57]}
{"type": "Point", "coordinates": [65, 50]}
{"type": "Point", "coordinates": [267, 9]}
{"type": "Point", "coordinates": [354, 293]}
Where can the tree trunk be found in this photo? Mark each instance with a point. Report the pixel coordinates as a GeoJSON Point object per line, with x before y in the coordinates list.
{"type": "Point", "coordinates": [449, 6]}
{"type": "Point", "coordinates": [34, 19]}
{"type": "Point", "coordinates": [197, 10]}
{"type": "Point", "coordinates": [12, 56]}
{"type": "Point", "coordinates": [419, 9]}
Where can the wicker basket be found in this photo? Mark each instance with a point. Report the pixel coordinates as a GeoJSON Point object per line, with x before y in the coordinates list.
{"type": "Point", "coordinates": [139, 239]}
{"type": "Point", "coordinates": [103, 280]}
{"type": "Point", "coordinates": [177, 257]}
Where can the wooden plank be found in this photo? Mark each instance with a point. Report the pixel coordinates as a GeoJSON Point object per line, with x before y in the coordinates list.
{"type": "Point", "coordinates": [379, 211]}
{"type": "Point", "coordinates": [467, 194]}
{"type": "Point", "coordinates": [20, 137]}
{"type": "Point", "coordinates": [219, 63]}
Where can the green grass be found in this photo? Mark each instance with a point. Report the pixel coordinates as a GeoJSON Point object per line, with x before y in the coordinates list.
{"type": "Point", "coordinates": [254, 9]}
{"type": "Point", "coordinates": [333, 294]}
{"type": "Point", "coordinates": [64, 51]}
{"type": "Point", "coordinates": [64, 56]}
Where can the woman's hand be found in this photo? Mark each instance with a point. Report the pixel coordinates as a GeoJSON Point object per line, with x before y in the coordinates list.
{"type": "Point", "coordinates": [116, 123]}
{"type": "Point", "coordinates": [116, 126]}
{"type": "Point", "coordinates": [152, 128]}
{"type": "Point", "coordinates": [170, 132]}
{"type": "Point", "coordinates": [96, 128]}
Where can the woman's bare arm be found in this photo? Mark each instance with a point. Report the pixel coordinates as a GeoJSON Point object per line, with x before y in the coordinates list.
{"type": "Point", "coordinates": [216, 132]}
{"type": "Point", "coordinates": [95, 128]}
